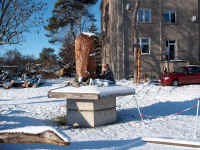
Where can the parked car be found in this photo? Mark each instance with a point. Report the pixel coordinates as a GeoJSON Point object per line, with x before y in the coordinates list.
{"type": "Point", "coordinates": [183, 75]}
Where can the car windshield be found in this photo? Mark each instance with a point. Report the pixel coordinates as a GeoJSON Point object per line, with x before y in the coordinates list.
{"type": "Point", "coordinates": [181, 70]}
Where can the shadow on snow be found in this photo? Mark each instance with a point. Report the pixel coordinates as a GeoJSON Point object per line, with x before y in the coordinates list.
{"type": "Point", "coordinates": [160, 109]}
{"type": "Point", "coordinates": [102, 144]}
{"type": "Point", "coordinates": [19, 121]}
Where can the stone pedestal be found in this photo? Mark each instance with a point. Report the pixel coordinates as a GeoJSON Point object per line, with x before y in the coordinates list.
{"type": "Point", "coordinates": [91, 113]}
{"type": "Point", "coordinates": [91, 106]}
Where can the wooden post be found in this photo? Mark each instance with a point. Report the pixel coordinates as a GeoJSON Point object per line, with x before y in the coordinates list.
{"type": "Point", "coordinates": [135, 40]}
{"type": "Point", "coordinates": [138, 65]}
{"type": "Point", "coordinates": [196, 119]}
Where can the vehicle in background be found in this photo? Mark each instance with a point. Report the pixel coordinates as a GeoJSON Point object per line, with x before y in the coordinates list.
{"type": "Point", "coordinates": [184, 75]}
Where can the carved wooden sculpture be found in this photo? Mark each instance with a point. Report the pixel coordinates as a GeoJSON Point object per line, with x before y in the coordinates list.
{"type": "Point", "coordinates": [42, 135]}
{"type": "Point", "coordinates": [85, 55]}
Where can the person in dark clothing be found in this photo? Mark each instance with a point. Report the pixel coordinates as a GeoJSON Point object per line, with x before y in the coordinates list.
{"type": "Point", "coordinates": [107, 74]}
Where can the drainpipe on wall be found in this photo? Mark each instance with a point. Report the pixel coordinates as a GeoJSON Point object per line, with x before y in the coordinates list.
{"type": "Point", "coordinates": [161, 31]}
{"type": "Point", "coordinates": [126, 7]}
{"type": "Point", "coordinates": [198, 19]}
{"type": "Point", "coordinates": [124, 53]}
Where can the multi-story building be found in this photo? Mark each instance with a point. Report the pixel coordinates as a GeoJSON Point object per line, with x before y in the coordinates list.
{"type": "Point", "coordinates": [167, 30]}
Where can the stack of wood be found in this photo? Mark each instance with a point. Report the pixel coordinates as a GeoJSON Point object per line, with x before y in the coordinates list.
{"type": "Point", "coordinates": [7, 81]}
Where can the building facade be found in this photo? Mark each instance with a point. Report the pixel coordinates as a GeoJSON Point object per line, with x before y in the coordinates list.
{"type": "Point", "coordinates": [167, 30]}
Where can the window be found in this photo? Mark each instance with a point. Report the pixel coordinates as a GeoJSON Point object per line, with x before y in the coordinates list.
{"type": "Point", "coordinates": [169, 16]}
{"type": "Point", "coordinates": [181, 70]}
{"type": "Point", "coordinates": [144, 15]}
{"type": "Point", "coordinates": [144, 44]}
{"type": "Point", "coordinates": [193, 70]}
{"type": "Point", "coordinates": [170, 46]}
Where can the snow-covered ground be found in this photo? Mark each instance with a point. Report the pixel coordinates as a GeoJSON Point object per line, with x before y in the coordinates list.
{"type": "Point", "coordinates": [159, 105]}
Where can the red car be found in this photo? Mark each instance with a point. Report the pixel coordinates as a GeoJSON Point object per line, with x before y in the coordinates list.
{"type": "Point", "coordinates": [184, 75]}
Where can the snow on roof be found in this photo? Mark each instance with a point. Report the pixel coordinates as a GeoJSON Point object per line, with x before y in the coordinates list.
{"type": "Point", "coordinates": [102, 91]}
{"type": "Point", "coordinates": [88, 33]}
{"type": "Point", "coordinates": [35, 130]}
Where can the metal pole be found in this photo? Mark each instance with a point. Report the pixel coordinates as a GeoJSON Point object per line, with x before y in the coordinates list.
{"type": "Point", "coordinates": [196, 119]}
{"type": "Point", "coordinates": [138, 108]}
{"type": "Point", "coordinates": [66, 111]}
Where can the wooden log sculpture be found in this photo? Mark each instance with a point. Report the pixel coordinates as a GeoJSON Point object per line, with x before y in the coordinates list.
{"type": "Point", "coordinates": [85, 55]}
{"type": "Point", "coordinates": [33, 135]}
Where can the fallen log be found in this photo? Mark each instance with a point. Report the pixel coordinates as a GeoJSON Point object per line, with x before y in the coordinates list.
{"type": "Point", "coordinates": [174, 142]}
{"type": "Point", "coordinates": [37, 83]}
{"type": "Point", "coordinates": [7, 85]}
{"type": "Point", "coordinates": [33, 135]}
{"type": "Point", "coordinates": [18, 83]}
{"type": "Point", "coordinates": [31, 83]}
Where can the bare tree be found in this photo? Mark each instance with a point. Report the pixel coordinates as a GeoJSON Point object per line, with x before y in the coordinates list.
{"type": "Point", "coordinates": [15, 18]}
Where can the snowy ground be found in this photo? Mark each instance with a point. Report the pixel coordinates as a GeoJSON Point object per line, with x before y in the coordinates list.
{"type": "Point", "coordinates": [32, 107]}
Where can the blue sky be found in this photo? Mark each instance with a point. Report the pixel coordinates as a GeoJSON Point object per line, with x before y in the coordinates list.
{"type": "Point", "coordinates": [34, 42]}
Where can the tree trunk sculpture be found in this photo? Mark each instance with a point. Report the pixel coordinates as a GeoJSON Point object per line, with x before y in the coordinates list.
{"type": "Point", "coordinates": [85, 56]}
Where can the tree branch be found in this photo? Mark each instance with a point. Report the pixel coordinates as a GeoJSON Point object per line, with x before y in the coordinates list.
{"type": "Point", "coordinates": [4, 10]}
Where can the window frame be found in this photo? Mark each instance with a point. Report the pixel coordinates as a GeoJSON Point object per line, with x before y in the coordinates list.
{"type": "Point", "coordinates": [143, 21]}
{"type": "Point", "coordinates": [167, 47]}
{"type": "Point", "coordinates": [149, 45]}
{"type": "Point", "coordinates": [169, 12]}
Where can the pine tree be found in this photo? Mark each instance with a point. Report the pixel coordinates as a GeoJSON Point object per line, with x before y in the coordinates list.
{"type": "Point", "coordinates": [48, 58]}
{"type": "Point", "coordinates": [93, 28]}
{"type": "Point", "coordinates": [68, 15]}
